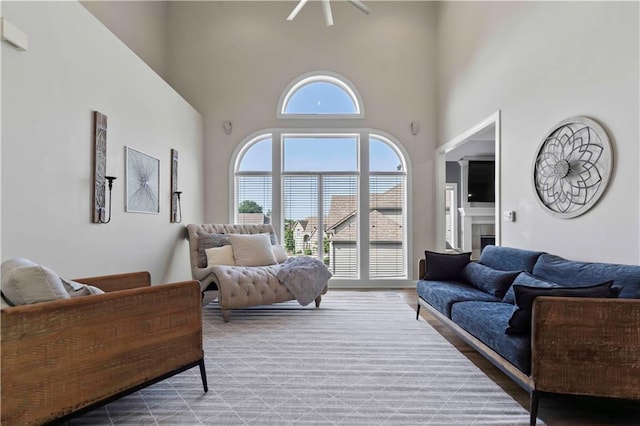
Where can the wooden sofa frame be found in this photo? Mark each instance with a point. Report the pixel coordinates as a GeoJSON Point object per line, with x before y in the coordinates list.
{"type": "Point", "coordinates": [579, 346]}
{"type": "Point", "coordinates": [64, 357]}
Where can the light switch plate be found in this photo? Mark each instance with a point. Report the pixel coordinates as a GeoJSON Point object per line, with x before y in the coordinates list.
{"type": "Point", "coordinates": [509, 216]}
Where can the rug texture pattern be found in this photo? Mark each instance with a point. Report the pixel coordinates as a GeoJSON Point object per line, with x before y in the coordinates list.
{"type": "Point", "coordinates": [360, 359]}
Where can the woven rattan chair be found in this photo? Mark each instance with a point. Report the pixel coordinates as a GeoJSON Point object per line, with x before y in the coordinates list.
{"type": "Point", "coordinates": [63, 357]}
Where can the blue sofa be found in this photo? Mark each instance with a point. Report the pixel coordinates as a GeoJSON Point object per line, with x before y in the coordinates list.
{"type": "Point", "coordinates": [530, 314]}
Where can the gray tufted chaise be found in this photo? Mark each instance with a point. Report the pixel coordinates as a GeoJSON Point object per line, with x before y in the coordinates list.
{"type": "Point", "coordinates": [237, 286]}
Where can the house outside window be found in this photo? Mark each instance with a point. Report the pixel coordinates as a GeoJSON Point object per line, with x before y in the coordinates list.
{"type": "Point", "coordinates": [337, 194]}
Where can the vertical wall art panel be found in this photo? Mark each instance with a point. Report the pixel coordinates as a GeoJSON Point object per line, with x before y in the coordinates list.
{"type": "Point", "coordinates": [142, 182]}
{"type": "Point", "coordinates": [174, 186]}
{"type": "Point", "coordinates": [99, 165]}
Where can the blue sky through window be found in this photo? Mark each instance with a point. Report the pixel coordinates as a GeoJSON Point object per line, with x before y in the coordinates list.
{"type": "Point", "coordinates": [320, 154]}
{"type": "Point", "coordinates": [320, 97]}
{"type": "Point", "coordinates": [258, 157]}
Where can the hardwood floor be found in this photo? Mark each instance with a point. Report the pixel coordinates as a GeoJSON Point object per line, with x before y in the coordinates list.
{"type": "Point", "coordinates": [553, 410]}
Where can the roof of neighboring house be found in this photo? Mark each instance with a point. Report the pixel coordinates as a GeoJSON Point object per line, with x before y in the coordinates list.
{"type": "Point", "coordinates": [342, 210]}
{"type": "Point", "coordinates": [253, 218]}
{"type": "Point", "coordinates": [382, 228]}
{"type": "Point", "coordinates": [342, 207]}
{"type": "Point", "coordinates": [310, 224]}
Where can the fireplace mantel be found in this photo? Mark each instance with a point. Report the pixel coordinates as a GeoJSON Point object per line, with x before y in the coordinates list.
{"type": "Point", "coordinates": [470, 217]}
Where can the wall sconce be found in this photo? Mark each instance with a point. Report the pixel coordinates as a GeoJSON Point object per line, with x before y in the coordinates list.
{"type": "Point", "coordinates": [110, 179]}
{"type": "Point", "coordinates": [178, 213]}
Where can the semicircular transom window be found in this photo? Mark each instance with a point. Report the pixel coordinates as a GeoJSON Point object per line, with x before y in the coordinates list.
{"type": "Point", "coordinates": [320, 95]}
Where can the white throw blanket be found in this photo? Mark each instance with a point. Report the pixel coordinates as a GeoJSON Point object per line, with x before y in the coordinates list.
{"type": "Point", "coordinates": [305, 277]}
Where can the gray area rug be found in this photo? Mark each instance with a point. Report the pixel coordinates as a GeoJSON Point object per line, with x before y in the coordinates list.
{"type": "Point", "coordinates": [361, 359]}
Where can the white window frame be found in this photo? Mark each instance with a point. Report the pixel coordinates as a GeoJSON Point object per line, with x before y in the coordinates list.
{"type": "Point", "coordinates": [277, 140]}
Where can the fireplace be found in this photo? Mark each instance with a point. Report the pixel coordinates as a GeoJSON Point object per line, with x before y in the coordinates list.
{"type": "Point", "coordinates": [487, 240]}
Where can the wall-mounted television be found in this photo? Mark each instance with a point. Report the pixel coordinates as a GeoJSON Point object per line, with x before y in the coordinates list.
{"type": "Point", "coordinates": [481, 182]}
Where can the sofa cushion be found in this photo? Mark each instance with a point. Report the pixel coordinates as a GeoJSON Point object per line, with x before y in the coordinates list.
{"type": "Point", "coordinates": [575, 274]}
{"type": "Point", "coordinates": [206, 241]}
{"type": "Point", "coordinates": [252, 249]}
{"type": "Point", "coordinates": [508, 258]}
{"type": "Point", "coordinates": [445, 266]}
{"type": "Point", "coordinates": [525, 278]}
{"type": "Point", "coordinates": [25, 282]}
{"type": "Point", "coordinates": [442, 294]}
{"type": "Point", "coordinates": [487, 321]}
{"type": "Point", "coordinates": [520, 321]}
{"type": "Point", "coordinates": [487, 279]}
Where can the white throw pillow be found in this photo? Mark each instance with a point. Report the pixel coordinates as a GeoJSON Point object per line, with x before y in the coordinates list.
{"type": "Point", "coordinates": [280, 253]}
{"type": "Point", "coordinates": [252, 249]}
{"type": "Point", "coordinates": [220, 256]}
{"type": "Point", "coordinates": [25, 282]}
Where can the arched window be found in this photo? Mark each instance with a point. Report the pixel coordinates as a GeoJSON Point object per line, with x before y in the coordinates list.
{"type": "Point", "coordinates": [320, 95]}
{"type": "Point", "coordinates": [335, 193]}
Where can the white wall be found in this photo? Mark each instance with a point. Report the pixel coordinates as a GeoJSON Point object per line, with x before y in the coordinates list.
{"type": "Point", "coordinates": [74, 66]}
{"type": "Point", "coordinates": [539, 63]}
{"type": "Point", "coordinates": [232, 60]}
{"type": "Point", "coordinates": [141, 25]}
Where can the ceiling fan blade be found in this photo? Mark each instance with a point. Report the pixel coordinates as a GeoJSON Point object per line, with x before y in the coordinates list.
{"type": "Point", "coordinates": [358, 4]}
{"type": "Point", "coordinates": [296, 10]}
{"type": "Point", "coordinates": [328, 17]}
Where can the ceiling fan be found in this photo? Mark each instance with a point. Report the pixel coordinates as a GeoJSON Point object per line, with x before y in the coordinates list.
{"type": "Point", "coordinates": [326, 8]}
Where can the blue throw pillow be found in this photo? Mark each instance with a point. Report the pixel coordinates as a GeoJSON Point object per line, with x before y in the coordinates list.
{"type": "Point", "coordinates": [488, 279]}
{"type": "Point", "coordinates": [444, 266]}
{"type": "Point", "coordinates": [520, 321]}
{"type": "Point", "coordinates": [525, 278]}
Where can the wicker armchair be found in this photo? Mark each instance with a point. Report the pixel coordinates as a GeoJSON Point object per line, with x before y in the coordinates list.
{"type": "Point", "coordinates": [63, 357]}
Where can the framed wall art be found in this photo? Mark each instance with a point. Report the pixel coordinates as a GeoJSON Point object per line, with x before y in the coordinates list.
{"type": "Point", "coordinates": [142, 182]}
{"type": "Point", "coordinates": [174, 187]}
{"type": "Point", "coordinates": [572, 167]}
{"type": "Point", "coordinates": [99, 165]}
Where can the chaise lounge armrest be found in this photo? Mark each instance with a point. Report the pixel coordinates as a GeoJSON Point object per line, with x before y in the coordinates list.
{"type": "Point", "coordinates": [586, 346]}
{"type": "Point", "coordinates": [62, 356]}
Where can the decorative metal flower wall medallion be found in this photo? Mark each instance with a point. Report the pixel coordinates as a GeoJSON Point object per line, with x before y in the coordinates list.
{"type": "Point", "coordinates": [572, 167]}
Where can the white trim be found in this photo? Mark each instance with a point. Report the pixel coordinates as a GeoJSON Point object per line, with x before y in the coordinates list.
{"type": "Point", "coordinates": [454, 214]}
{"type": "Point", "coordinates": [441, 152]}
{"type": "Point", "coordinates": [318, 76]}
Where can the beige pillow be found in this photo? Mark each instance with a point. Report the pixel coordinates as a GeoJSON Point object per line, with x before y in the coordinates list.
{"type": "Point", "coordinates": [220, 256]}
{"type": "Point", "coordinates": [280, 253]}
{"type": "Point", "coordinates": [25, 282]}
{"type": "Point", "coordinates": [252, 249]}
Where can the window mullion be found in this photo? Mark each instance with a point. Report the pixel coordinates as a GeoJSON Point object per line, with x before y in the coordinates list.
{"type": "Point", "coordinates": [276, 185]}
{"type": "Point", "coordinates": [320, 230]}
{"type": "Point", "coordinates": [363, 205]}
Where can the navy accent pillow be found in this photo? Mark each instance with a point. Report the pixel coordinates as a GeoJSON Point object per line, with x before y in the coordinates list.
{"type": "Point", "coordinates": [444, 266]}
{"type": "Point", "coordinates": [520, 321]}
{"type": "Point", "coordinates": [489, 280]}
{"type": "Point", "coordinates": [529, 280]}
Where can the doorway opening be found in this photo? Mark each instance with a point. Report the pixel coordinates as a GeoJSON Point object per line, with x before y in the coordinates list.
{"type": "Point", "coordinates": [471, 163]}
